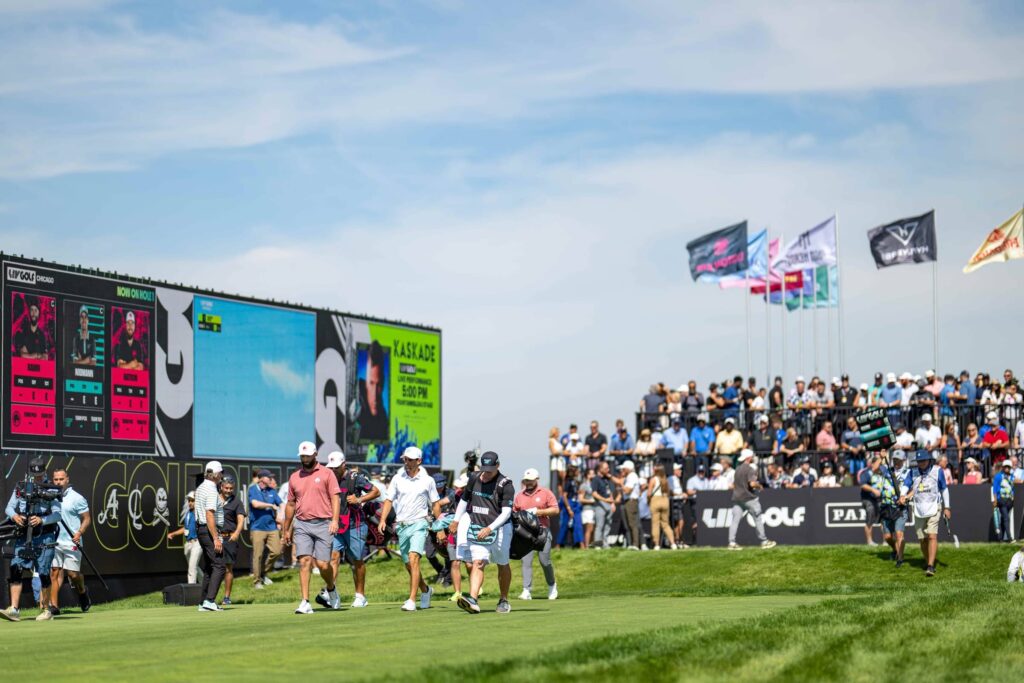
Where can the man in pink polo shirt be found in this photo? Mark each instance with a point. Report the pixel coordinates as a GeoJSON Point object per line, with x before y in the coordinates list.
{"type": "Point", "coordinates": [311, 520]}
{"type": "Point", "coordinates": [541, 502]}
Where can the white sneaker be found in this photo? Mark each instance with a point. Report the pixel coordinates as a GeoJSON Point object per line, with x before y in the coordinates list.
{"type": "Point", "coordinates": [209, 606]}
{"type": "Point", "coordinates": [304, 608]}
{"type": "Point", "coordinates": [525, 595]}
{"type": "Point", "coordinates": [657, 547]}
{"type": "Point", "coordinates": [333, 599]}
{"type": "Point", "coordinates": [674, 547]}
{"type": "Point", "coordinates": [267, 581]}
{"type": "Point", "coordinates": [409, 606]}
{"type": "Point", "coordinates": [553, 592]}
{"type": "Point", "coordinates": [768, 544]}
{"type": "Point", "coordinates": [734, 546]}
{"type": "Point", "coordinates": [360, 601]}
{"type": "Point", "coordinates": [425, 598]}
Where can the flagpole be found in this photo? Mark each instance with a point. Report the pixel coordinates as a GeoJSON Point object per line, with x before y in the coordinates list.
{"type": "Point", "coordinates": [746, 300]}
{"type": "Point", "coordinates": [800, 367]}
{"type": "Point", "coordinates": [814, 317]}
{"type": "Point", "coordinates": [828, 323]}
{"type": "Point", "coordinates": [784, 323]}
{"type": "Point", "coordinates": [935, 314]}
{"type": "Point", "coordinates": [839, 301]}
{"type": "Point", "coordinates": [768, 312]}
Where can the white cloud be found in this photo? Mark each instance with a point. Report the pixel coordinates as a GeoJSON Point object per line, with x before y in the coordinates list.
{"type": "Point", "coordinates": [281, 375]}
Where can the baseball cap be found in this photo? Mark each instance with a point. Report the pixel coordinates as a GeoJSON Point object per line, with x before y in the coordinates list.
{"type": "Point", "coordinates": [730, 420]}
{"type": "Point", "coordinates": [992, 417]}
{"type": "Point", "coordinates": [440, 479]}
{"type": "Point", "coordinates": [922, 456]}
{"type": "Point", "coordinates": [929, 373]}
{"type": "Point", "coordinates": [627, 465]}
{"type": "Point", "coordinates": [461, 481]}
{"type": "Point", "coordinates": [899, 454]}
{"type": "Point", "coordinates": [307, 448]}
{"type": "Point", "coordinates": [746, 454]}
{"type": "Point", "coordinates": [676, 420]}
{"type": "Point", "coordinates": [264, 473]}
{"type": "Point", "coordinates": [891, 377]}
{"type": "Point", "coordinates": [906, 375]}
{"type": "Point", "coordinates": [83, 309]}
{"type": "Point", "coordinates": [835, 380]}
{"type": "Point", "coordinates": [761, 418]}
{"type": "Point", "coordinates": [335, 459]}
{"type": "Point", "coordinates": [927, 417]}
{"type": "Point", "coordinates": [488, 462]}
{"type": "Point", "coordinates": [129, 317]}
{"type": "Point", "coordinates": [531, 475]}
{"type": "Point", "coordinates": [214, 466]}
{"type": "Point", "coordinates": [574, 437]}
{"type": "Point", "coordinates": [191, 495]}
{"type": "Point", "coordinates": [716, 467]}
{"type": "Point", "coordinates": [36, 465]}
{"type": "Point", "coordinates": [703, 417]}
{"type": "Point", "coordinates": [878, 375]}
{"type": "Point", "coordinates": [864, 386]}
{"type": "Point", "coordinates": [800, 378]}
{"type": "Point", "coordinates": [701, 468]}
{"type": "Point", "coordinates": [846, 375]}
{"type": "Point", "coordinates": [412, 453]}
{"type": "Point", "coordinates": [1007, 463]}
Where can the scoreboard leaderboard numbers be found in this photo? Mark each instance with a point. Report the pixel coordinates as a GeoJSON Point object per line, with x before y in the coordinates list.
{"type": "Point", "coordinates": [207, 322]}
{"type": "Point", "coordinates": [873, 425]}
{"type": "Point", "coordinates": [77, 367]}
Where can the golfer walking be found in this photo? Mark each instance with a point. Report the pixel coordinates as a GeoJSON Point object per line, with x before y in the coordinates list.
{"type": "Point", "coordinates": [744, 500]}
{"type": "Point", "coordinates": [310, 522]}
{"type": "Point", "coordinates": [541, 502]}
{"type": "Point", "coordinates": [412, 494]}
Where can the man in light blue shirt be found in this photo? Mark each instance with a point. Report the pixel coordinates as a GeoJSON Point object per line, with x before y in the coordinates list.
{"type": "Point", "coordinates": [67, 555]}
{"type": "Point", "coordinates": [891, 396]}
{"type": "Point", "coordinates": [621, 445]}
{"type": "Point", "coordinates": [676, 439]}
{"type": "Point", "coordinates": [702, 440]}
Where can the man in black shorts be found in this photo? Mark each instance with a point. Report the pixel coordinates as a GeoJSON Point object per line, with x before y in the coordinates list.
{"type": "Point", "coordinates": [30, 340]}
{"type": "Point", "coordinates": [869, 480]}
{"type": "Point", "coordinates": [129, 352]}
{"type": "Point", "coordinates": [234, 517]}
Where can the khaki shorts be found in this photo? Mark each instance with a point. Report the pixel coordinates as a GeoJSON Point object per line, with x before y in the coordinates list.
{"type": "Point", "coordinates": [927, 525]}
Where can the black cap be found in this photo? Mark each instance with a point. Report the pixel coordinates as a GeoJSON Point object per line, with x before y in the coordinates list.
{"type": "Point", "coordinates": [440, 479]}
{"type": "Point", "coordinates": [264, 473]}
{"type": "Point", "coordinates": [845, 376]}
{"type": "Point", "coordinates": [701, 468]}
{"type": "Point", "coordinates": [489, 462]}
{"type": "Point", "coordinates": [36, 465]}
{"type": "Point", "coordinates": [878, 375]}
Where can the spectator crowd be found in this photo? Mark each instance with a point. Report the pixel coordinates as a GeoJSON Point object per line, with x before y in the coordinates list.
{"type": "Point", "coordinates": [623, 488]}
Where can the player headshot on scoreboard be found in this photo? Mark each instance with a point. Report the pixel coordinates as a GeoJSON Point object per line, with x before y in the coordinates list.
{"type": "Point", "coordinates": [373, 412]}
{"type": "Point", "coordinates": [130, 350]}
{"type": "Point", "coordinates": [30, 338]}
{"type": "Point", "coordinates": [83, 345]}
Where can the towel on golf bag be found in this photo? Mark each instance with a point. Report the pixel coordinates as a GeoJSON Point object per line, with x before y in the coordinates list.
{"type": "Point", "coordinates": [527, 535]}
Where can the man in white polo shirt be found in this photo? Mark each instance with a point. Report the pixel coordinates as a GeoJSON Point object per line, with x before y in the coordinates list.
{"type": "Point", "coordinates": [209, 520]}
{"type": "Point", "coordinates": [413, 495]}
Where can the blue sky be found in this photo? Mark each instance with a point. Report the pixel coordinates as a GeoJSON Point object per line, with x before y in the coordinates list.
{"type": "Point", "coordinates": [253, 380]}
{"type": "Point", "coordinates": [524, 175]}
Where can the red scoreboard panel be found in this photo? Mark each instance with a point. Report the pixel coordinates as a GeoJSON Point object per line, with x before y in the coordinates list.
{"type": "Point", "coordinates": [77, 366]}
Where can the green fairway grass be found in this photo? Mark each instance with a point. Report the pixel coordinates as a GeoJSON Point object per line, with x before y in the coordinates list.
{"type": "Point", "coordinates": [839, 613]}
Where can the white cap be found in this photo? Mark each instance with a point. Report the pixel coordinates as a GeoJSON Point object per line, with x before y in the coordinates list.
{"type": "Point", "coordinates": [574, 437]}
{"type": "Point", "coordinates": [461, 481]}
{"type": "Point", "coordinates": [129, 317]}
{"type": "Point", "coordinates": [627, 465]}
{"type": "Point", "coordinates": [835, 381]}
{"type": "Point", "coordinates": [891, 377]}
{"type": "Point", "coordinates": [412, 453]}
{"type": "Point", "coordinates": [191, 495]}
{"type": "Point", "coordinates": [906, 375]}
{"type": "Point", "coordinates": [745, 454]}
{"type": "Point", "coordinates": [917, 378]}
{"type": "Point", "coordinates": [1006, 463]}
{"type": "Point", "coordinates": [702, 416]}
{"type": "Point", "coordinates": [531, 475]}
{"type": "Point", "coordinates": [927, 417]}
{"type": "Point", "coordinates": [992, 417]}
{"type": "Point", "coordinates": [799, 378]}
{"type": "Point", "coordinates": [929, 373]}
{"type": "Point", "coordinates": [717, 467]}
{"type": "Point", "coordinates": [761, 418]}
{"type": "Point", "coordinates": [864, 386]}
{"type": "Point", "coordinates": [214, 466]}
{"type": "Point", "coordinates": [335, 459]}
{"type": "Point", "coordinates": [307, 448]}
{"type": "Point", "coordinates": [730, 420]}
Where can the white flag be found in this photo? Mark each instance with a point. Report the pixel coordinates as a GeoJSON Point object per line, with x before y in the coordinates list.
{"type": "Point", "coordinates": [816, 247]}
{"type": "Point", "coordinates": [1002, 244]}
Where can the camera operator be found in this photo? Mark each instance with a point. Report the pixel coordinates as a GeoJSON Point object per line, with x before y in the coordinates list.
{"type": "Point", "coordinates": [67, 557]}
{"type": "Point", "coordinates": [34, 504]}
{"type": "Point", "coordinates": [472, 458]}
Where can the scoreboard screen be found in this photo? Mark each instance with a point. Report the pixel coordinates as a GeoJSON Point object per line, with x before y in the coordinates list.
{"type": "Point", "coordinates": [77, 367]}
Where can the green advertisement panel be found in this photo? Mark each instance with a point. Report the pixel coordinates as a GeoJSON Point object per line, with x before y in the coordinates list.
{"type": "Point", "coordinates": [399, 372]}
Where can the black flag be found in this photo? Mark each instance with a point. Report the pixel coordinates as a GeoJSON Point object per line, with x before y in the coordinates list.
{"type": "Point", "coordinates": [718, 253]}
{"type": "Point", "coordinates": [908, 240]}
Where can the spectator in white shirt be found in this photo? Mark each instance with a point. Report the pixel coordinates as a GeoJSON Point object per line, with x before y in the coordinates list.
{"type": "Point", "coordinates": [927, 435]}
{"type": "Point", "coordinates": [629, 482]}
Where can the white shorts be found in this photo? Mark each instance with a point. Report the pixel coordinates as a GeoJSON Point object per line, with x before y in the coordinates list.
{"type": "Point", "coordinates": [587, 517]}
{"type": "Point", "coordinates": [496, 552]}
{"type": "Point", "coordinates": [557, 463]}
{"type": "Point", "coordinates": [66, 558]}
